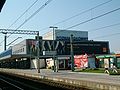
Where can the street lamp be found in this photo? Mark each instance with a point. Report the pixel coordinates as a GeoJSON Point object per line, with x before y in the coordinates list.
{"type": "Point", "coordinates": [55, 66]}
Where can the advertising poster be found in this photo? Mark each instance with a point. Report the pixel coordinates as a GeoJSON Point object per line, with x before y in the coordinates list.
{"type": "Point", "coordinates": [81, 61]}
{"type": "Point", "coordinates": [32, 47]}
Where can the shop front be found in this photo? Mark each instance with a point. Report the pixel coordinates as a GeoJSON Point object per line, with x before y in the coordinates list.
{"type": "Point", "coordinates": [106, 61]}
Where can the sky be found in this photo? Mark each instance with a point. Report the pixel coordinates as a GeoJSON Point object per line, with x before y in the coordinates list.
{"type": "Point", "coordinates": [80, 15]}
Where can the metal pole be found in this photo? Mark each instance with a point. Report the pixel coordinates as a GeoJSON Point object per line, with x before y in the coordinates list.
{"type": "Point", "coordinates": [54, 47]}
{"type": "Point", "coordinates": [38, 64]}
{"type": "Point", "coordinates": [5, 40]}
{"type": "Point", "coordinates": [30, 57]}
{"type": "Point", "coordinates": [72, 55]}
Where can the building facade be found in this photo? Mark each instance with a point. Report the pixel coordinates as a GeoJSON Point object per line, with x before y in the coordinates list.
{"type": "Point", "coordinates": [65, 35]}
{"type": "Point", "coordinates": [55, 45]}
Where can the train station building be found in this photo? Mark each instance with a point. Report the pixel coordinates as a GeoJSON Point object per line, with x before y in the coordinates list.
{"type": "Point", "coordinates": [54, 44]}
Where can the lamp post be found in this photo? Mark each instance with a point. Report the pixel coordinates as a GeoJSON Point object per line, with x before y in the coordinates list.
{"type": "Point", "coordinates": [55, 66]}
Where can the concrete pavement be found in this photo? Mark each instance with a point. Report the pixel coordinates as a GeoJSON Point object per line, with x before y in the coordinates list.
{"type": "Point", "coordinates": [92, 80]}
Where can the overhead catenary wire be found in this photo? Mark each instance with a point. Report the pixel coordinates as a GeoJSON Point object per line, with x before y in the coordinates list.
{"type": "Point", "coordinates": [93, 18]}
{"type": "Point", "coordinates": [23, 13]}
{"type": "Point", "coordinates": [45, 4]}
{"type": "Point", "coordinates": [78, 14]}
{"type": "Point", "coordinates": [108, 1]}
{"type": "Point", "coordinates": [82, 12]}
{"type": "Point", "coordinates": [96, 29]}
{"type": "Point", "coordinates": [92, 30]}
{"type": "Point", "coordinates": [108, 35]}
{"type": "Point", "coordinates": [39, 9]}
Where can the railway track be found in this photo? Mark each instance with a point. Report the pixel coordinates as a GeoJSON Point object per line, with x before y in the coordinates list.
{"type": "Point", "coordinates": [17, 82]}
{"type": "Point", "coordinates": [6, 85]}
{"type": "Point", "coordinates": [9, 82]}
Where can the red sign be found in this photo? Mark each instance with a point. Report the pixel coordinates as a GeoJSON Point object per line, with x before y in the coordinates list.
{"type": "Point", "coordinates": [81, 61]}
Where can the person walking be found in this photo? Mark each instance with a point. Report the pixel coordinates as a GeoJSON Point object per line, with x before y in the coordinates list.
{"type": "Point", "coordinates": [106, 68]}
{"type": "Point", "coordinates": [114, 68]}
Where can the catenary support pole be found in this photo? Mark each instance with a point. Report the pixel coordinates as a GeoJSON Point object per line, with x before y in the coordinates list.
{"type": "Point", "coordinates": [72, 55]}
{"type": "Point", "coordinates": [54, 56]}
{"type": "Point", "coordinates": [5, 40]}
{"type": "Point", "coordinates": [38, 53]}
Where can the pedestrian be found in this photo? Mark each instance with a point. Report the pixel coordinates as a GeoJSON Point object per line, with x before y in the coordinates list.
{"type": "Point", "coordinates": [69, 65]}
{"type": "Point", "coordinates": [114, 68]}
{"type": "Point", "coordinates": [106, 68]}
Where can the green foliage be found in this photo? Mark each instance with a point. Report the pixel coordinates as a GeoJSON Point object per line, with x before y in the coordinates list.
{"type": "Point", "coordinates": [90, 70]}
{"type": "Point", "coordinates": [97, 71]}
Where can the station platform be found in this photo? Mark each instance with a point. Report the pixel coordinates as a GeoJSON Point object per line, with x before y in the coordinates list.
{"type": "Point", "coordinates": [94, 81]}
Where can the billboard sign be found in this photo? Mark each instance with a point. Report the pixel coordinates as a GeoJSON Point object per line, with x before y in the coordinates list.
{"type": "Point", "coordinates": [81, 61]}
{"type": "Point", "coordinates": [32, 47]}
